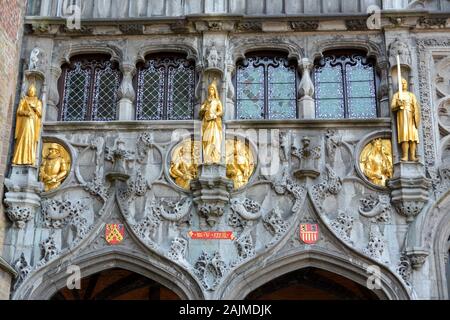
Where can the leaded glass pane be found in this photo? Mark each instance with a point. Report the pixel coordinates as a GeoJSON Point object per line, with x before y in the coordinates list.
{"type": "Point", "coordinates": [282, 109]}
{"type": "Point", "coordinates": [250, 74]}
{"type": "Point", "coordinates": [150, 95]}
{"type": "Point", "coordinates": [252, 91]}
{"type": "Point", "coordinates": [107, 81]}
{"type": "Point", "coordinates": [250, 109]}
{"type": "Point", "coordinates": [181, 89]}
{"type": "Point", "coordinates": [362, 108]}
{"type": "Point", "coordinates": [330, 108]}
{"type": "Point", "coordinates": [76, 94]}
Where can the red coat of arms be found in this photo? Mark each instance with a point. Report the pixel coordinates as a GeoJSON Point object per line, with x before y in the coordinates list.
{"type": "Point", "coordinates": [309, 233]}
{"type": "Point", "coordinates": [114, 233]}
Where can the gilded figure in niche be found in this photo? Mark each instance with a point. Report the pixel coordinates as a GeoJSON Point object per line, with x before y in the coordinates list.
{"type": "Point", "coordinates": [184, 164]}
{"type": "Point", "coordinates": [240, 164]}
{"type": "Point", "coordinates": [55, 166]}
{"type": "Point", "coordinates": [376, 161]}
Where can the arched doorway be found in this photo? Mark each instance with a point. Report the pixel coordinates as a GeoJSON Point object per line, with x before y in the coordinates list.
{"type": "Point", "coordinates": [312, 284]}
{"type": "Point", "coordinates": [117, 284]}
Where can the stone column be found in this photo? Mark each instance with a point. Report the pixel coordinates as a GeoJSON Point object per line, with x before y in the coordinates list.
{"type": "Point", "coordinates": [383, 91]}
{"type": "Point", "coordinates": [230, 93]}
{"type": "Point", "coordinates": [306, 103]}
{"type": "Point", "coordinates": [127, 93]}
{"type": "Point", "coordinates": [53, 94]}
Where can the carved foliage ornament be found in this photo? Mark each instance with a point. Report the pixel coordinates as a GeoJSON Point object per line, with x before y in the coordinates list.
{"type": "Point", "coordinates": [375, 161]}
{"type": "Point", "coordinates": [55, 166]}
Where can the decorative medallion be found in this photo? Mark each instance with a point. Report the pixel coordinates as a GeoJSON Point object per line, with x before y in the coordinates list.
{"type": "Point", "coordinates": [55, 166]}
{"type": "Point", "coordinates": [240, 163]}
{"type": "Point", "coordinates": [309, 233]}
{"type": "Point", "coordinates": [114, 233]}
{"type": "Point", "coordinates": [376, 161]}
{"type": "Point", "coordinates": [184, 163]}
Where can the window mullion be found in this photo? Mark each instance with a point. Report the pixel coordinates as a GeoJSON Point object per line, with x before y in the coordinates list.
{"type": "Point", "coordinates": [166, 93]}
{"type": "Point", "coordinates": [266, 92]}
{"type": "Point", "coordinates": [344, 89]}
{"type": "Point", "coordinates": [90, 100]}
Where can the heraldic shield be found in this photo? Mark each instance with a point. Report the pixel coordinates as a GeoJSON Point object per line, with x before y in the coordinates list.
{"type": "Point", "coordinates": [114, 233]}
{"type": "Point", "coordinates": [309, 233]}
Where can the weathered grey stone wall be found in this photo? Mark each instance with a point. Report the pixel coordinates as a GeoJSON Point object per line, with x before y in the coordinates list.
{"type": "Point", "coordinates": [362, 227]}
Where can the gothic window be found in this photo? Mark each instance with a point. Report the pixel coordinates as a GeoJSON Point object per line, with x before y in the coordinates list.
{"type": "Point", "coordinates": [345, 87]}
{"type": "Point", "coordinates": [90, 89]}
{"type": "Point", "coordinates": [266, 88]}
{"type": "Point", "coordinates": [165, 88]}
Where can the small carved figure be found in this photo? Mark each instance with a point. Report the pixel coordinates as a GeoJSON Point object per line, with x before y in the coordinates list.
{"type": "Point", "coordinates": [34, 59]}
{"type": "Point", "coordinates": [54, 168]}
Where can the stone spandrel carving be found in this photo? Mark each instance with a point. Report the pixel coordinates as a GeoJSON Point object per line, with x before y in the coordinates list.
{"type": "Point", "coordinates": [285, 184]}
{"type": "Point", "coordinates": [177, 250]}
{"type": "Point", "coordinates": [48, 249]}
{"type": "Point", "coordinates": [376, 207]}
{"type": "Point", "coordinates": [404, 269]}
{"type": "Point", "coordinates": [343, 226]}
{"type": "Point", "coordinates": [247, 209]}
{"type": "Point", "coordinates": [330, 185]}
{"type": "Point", "coordinates": [145, 142]}
{"type": "Point", "coordinates": [332, 142]}
{"type": "Point", "coordinates": [118, 155]}
{"type": "Point", "coordinates": [308, 156]}
{"type": "Point", "coordinates": [173, 211]}
{"type": "Point", "coordinates": [275, 224]}
{"type": "Point", "coordinates": [376, 245]}
{"type": "Point", "coordinates": [245, 248]}
{"type": "Point", "coordinates": [146, 228]}
{"type": "Point", "coordinates": [23, 269]}
{"type": "Point", "coordinates": [210, 269]}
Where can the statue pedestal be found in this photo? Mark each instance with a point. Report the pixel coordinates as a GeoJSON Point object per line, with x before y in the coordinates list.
{"type": "Point", "coordinates": [23, 196]}
{"type": "Point", "coordinates": [211, 192]}
{"type": "Point", "coordinates": [410, 189]}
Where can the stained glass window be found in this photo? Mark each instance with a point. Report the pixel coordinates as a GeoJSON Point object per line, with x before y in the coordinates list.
{"type": "Point", "coordinates": [90, 90]}
{"type": "Point", "coordinates": [165, 89]}
{"type": "Point", "coordinates": [345, 87]}
{"type": "Point", "coordinates": [266, 88]}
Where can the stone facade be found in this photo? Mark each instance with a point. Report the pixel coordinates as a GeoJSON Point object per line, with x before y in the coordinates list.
{"type": "Point", "coordinates": [11, 30]}
{"type": "Point", "coordinates": [120, 172]}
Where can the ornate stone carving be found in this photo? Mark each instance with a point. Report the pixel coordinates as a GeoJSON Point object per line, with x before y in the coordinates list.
{"type": "Point", "coordinates": [249, 26]}
{"type": "Point", "coordinates": [57, 214]}
{"type": "Point", "coordinates": [245, 248]}
{"type": "Point", "coordinates": [131, 28]}
{"type": "Point", "coordinates": [210, 269]}
{"type": "Point", "coordinates": [118, 155]}
{"type": "Point", "coordinates": [247, 209]}
{"type": "Point", "coordinates": [404, 269]}
{"type": "Point", "coordinates": [332, 142]}
{"type": "Point", "coordinates": [376, 207]}
{"type": "Point", "coordinates": [285, 145]}
{"type": "Point", "coordinates": [376, 244]}
{"type": "Point", "coordinates": [34, 59]}
{"type": "Point", "coordinates": [147, 227]}
{"type": "Point", "coordinates": [173, 211]}
{"type": "Point", "coordinates": [48, 249]}
{"type": "Point", "coordinates": [305, 25]}
{"type": "Point", "coordinates": [330, 185]}
{"type": "Point", "coordinates": [400, 48]}
{"type": "Point", "coordinates": [177, 249]}
{"type": "Point", "coordinates": [309, 159]}
{"type": "Point", "coordinates": [356, 24]}
{"type": "Point", "coordinates": [417, 257]}
{"type": "Point", "coordinates": [275, 224]}
{"type": "Point", "coordinates": [432, 22]}
{"type": "Point", "coordinates": [213, 59]}
{"type": "Point", "coordinates": [23, 268]}
{"type": "Point", "coordinates": [343, 226]}
{"type": "Point", "coordinates": [286, 184]}
{"type": "Point", "coordinates": [97, 187]}
{"type": "Point", "coordinates": [19, 214]}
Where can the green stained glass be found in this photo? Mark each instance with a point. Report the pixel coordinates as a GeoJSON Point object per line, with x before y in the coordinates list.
{"type": "Point", "coordinates": [282, 91]}
{"type": "Point", "coordinates": [281, 74]}
{"type": "Point", "coordinates": [250, 109]}
{"type": "Point", "coordinates": [362, 108]}
{"type": "Point", "coordinates": [282, 109]}
{"type": "Point", "coordinates": [252, 91]}
{"type": "Point", "coordinates": [329, 74]}
{"type": "Point", "coordinates": [330, 108]}
{"type": "Point", "coordinates": [251, 74]}
{"type": "Point", "coordinates": [360, 89]}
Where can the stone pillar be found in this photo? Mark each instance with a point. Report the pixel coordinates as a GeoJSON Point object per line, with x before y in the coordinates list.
{"type": "Point", "coordinates": [230, 93]}
{"type": "Point", "coordinates": [127, 93]}
{"type": "Point", "coordinates": [53, 94]}
{"type": "Point", "coordinates": [383, 91]}
{"type": "Point", "coordinates": [306, 103]}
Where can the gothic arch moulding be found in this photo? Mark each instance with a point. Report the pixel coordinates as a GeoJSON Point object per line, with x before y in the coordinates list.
{"type": "Point", "coordinates": [253, 278]}
{"type": "Point", "coordinates": [45, 283]}
{"type": "Point", "coordinates": [169, 46]}
{"type": "Point", "coordinates": [65, 53]}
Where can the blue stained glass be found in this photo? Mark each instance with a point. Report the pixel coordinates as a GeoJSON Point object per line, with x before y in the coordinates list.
{"type": "Point", "coordinates": [250, 109]}
{"type": "Point", "coordinates": [282, 91]}
{"type": "Point", "coordinates": [250, 74]}
{"type": "Point", "coordinates": [282, 109]}
{"type": "Point", "coordinates": [359, 72]}
{"type": "Point", "coordinates": [362, 108]}
{"type": "Point", "coordinates": [360, 89]}
{"type": "Point", "coordinates": [329, 74]}
{"type": "Point", "coordinates": [252, 91]}
{"type": "Point", "coordinates": [330, 90]}
{"type": "Point", "coordinates": [330, 108]}
{"type": "Point", "coordinates": [281, 74]}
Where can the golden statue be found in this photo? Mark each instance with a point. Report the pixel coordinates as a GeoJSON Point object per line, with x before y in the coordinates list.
{"type": "Point", "coordinates": [28, 127]}
{"type": "Point", "coordinates": [240, 164]}
{"type": "Point", "coordinates": [405, 104]}
{"type": "Point", "coordinates": [184, 164]}
{"type": "Point", "coordinates": [211, 113]}
{"type": "Point", "coordinates": [55, 165]}
{"type": "Point", "coordinates": [376, 161]}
